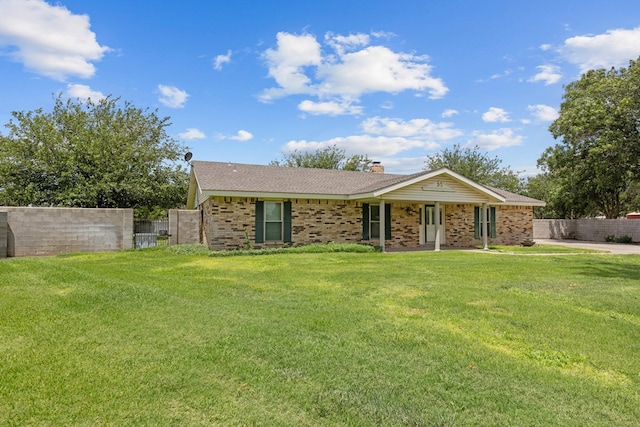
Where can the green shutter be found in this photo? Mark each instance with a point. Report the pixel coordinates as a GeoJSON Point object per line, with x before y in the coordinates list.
{"type": "Point", "coordinates": [387, 221]}
{"type": "Point", "coordinates": [365, 221]}
{"type": "Point", "coordinates": [259, 221]}
{"type": "Point", "coordinates": [492, 215]}
{"type": "Point", "coordinates": [287, 222]}
{"type": "Point", "coordinates": [476, 222]}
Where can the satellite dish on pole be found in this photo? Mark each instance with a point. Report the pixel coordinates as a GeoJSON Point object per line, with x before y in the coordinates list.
{"type": "Point", "coordinates": [188, 156]}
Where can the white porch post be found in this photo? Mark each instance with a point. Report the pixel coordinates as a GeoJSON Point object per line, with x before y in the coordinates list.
{"type": "Point", "coordinates": [382, 224]}
{"type": "Point", "coordinates": [436, 219]}
{"type": "Point", "coordinates": [483, 218]}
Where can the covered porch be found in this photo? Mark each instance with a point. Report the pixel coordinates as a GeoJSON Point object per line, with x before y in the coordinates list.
{"type": "Point", "coordinates": [433, 225]}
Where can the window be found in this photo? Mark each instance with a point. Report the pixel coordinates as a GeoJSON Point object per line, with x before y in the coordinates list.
{"type": "Point", "coordinates": [374, 221]}
{"type": "Point", "coordinates": [491, 226]}
{"type": "Point", "coordinates": [371, 221]}
{"type": "Point", "coordinates": [272, 220]}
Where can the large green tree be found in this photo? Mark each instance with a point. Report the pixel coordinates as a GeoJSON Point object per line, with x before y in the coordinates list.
{"type": "Point", "coordinates": [91, 154]}
{"type": "Point", "coordinates": [476, 165]}
{"type": "Point", "coordinates": [326, 158]}
{"type": "Point", "coordinates": [598, 160]}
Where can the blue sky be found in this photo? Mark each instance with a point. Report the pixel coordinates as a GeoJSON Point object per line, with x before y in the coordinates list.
{"type": "Point", "coordinates": [245, 81]}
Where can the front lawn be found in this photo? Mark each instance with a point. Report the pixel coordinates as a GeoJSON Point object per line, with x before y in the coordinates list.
{"type": "Point", "coordinates": [449, 338]}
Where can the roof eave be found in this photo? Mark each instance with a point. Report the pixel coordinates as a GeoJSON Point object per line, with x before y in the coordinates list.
{"type": "Point", "coordinates": [272, 195]}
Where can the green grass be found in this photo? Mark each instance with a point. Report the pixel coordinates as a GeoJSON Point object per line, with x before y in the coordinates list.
{"type": "Point", "coordinates": [451, 338]}
{"type": "Point", "coordinates": [540, 249]}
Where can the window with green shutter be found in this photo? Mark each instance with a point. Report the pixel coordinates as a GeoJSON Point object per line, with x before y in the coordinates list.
{"type": "Point", "coordinates": [273, 221]}
{"type": "Point", "coordinates": [491, 226]}
{"type": "Point", "coordinates": [371, 221]}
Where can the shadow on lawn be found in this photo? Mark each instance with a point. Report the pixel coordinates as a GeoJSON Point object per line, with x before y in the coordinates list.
{"type": "Point", "coordinates": [603, 268]}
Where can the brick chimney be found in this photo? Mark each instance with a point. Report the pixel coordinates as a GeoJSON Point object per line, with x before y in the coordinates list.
{"type": "Point", "coordinates": [376, 167]}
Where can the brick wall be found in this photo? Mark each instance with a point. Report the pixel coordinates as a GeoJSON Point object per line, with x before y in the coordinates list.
{"type": "Point", "coordinates": [588, 229]}
{"type": "Point", "coordinates": [459, 230]}
{"type": "Point", "coordinates": [513, 225]}
{"type": "Point", "coordinates": [52, 231]}
{"type": "Point", "coordinates": [229, 223]}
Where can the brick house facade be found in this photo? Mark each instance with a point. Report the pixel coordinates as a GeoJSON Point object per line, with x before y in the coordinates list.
{"type": "Point", "coordinates": [254, 206]}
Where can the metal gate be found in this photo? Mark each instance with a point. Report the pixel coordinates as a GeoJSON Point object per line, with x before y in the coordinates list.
{"type": "Point", "coordinates": [150, 232]}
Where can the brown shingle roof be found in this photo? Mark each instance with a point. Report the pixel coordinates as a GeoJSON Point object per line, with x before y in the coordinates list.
{"type": "Point", "coordinates": [513, 197]}
{"type": "Point", "coordinates": [219, 176]}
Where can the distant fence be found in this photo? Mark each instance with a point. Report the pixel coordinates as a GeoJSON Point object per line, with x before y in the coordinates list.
{"type": "Point", "coordinates": [29, 231]}
{"type": "Point", "coordinates": [589, 229]}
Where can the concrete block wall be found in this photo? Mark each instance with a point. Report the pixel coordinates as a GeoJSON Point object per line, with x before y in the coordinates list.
{"type": "Point", "coordinates": [52, 231]}
{"type": "Point", "coordinates": [588, 229]}
{"type": "Point", "coordinates": [184, 227]}
{"type": "Point", "coordinates": [4, 230]}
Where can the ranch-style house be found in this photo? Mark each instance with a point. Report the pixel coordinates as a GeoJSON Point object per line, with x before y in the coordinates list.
{"type": "Point", "coordinates": [261, 206]}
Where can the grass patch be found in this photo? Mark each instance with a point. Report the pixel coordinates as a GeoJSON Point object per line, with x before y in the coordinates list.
{"type": "Point", "coordinates": [450, 338]}
{"type": "Point", "coordinates": [540, 249]}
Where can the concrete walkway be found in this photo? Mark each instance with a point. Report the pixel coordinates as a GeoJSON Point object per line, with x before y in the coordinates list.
{"type": "Point", "coordinates": [613, 248]}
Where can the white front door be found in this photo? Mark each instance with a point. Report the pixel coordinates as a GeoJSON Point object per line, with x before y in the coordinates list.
{"type": "Point", "coordinates": [430, 224]}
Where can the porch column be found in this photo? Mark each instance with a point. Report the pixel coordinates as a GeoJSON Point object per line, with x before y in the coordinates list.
{"type": "Point", "coordinates": [436, 219]}
{"type": "Point", "coordinates": [382, 224]}
{"type": "Point", "coordinates": [483, 220]}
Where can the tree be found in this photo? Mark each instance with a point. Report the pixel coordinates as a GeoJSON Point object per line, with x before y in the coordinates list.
{"type": "Point", "coordinates": [598, 160]}
{"type": "Point", "coordinates": [475, 165]}
{"type": "Point", "coordinates": [91, 154]}
{"type": "Point", "coordinates": [328, 158]}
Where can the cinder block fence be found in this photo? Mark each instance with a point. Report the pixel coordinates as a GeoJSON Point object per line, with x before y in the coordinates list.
{"type": "Point", "coordinates": [587, 229]}
{"type": "Point", "coordinates": [29, 231]}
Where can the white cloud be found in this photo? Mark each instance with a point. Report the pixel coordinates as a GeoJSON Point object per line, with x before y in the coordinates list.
{"type": "Point", "coordinates": [545, 47]}
{"type": "Point", "coordinates": [49, 40]}
{"type": "Point", "coordinates": [543, 113]}
{"type": "Point", "coordinates": [287, 62]}
{"type": "Point", "coordinates": [403, 165]}
{"type": "Point", "coordinates": [449, 113]}
{"type": "Point", "coordinates": [242, 135]}
{"type": "Point", "coordinates": [299, 67]}
{"type": "Point", "coordinates": [220, 60]}
{"type": "Point", "coordinates": [192, 133]}
{"type": "Point", "coordinates": [497, 139]}
{"type": "Point", "coordinates": [612, 49]}
{"type": "Point", "coordinates": [84, 92]}
{"type": "Point", "coordinates": [549, 74]}
{"type": "Point", "coordinates": [495, 115]}
{"type": "Point", "coordinates": [372, 146]}
{"type": "Point", "coordinates": [331, 108]}
{"type": "Point", "coordinates": [379, 69]}
{"type": "Point", "coordinates": [384, 136]}
{"type": "Point", "coordinates": [346, 43]}
{"type": "Point", "coordinates": [420, 128]}
{"type": "Point", "coordinates": [387, 105]}
{"type": "Point", "coordinates": [171, 96]}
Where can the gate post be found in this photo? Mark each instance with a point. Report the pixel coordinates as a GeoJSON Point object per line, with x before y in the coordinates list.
{"type": "Point", "coordinates": [4, 233]}
{"type": "Point", "coordinates": [173, 226]}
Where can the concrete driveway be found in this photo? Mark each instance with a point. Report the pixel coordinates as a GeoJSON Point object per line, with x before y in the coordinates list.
{"type": "Point", "coordinates": [614, 248]}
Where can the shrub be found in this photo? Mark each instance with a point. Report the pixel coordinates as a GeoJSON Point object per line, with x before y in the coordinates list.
{"type": "Point", "coordinates": [304, 249]}
{"type": "Point", "coordinates": [621, 239]}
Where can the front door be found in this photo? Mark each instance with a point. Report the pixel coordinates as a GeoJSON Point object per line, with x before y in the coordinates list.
{"type": "Point", "coordinates": [430, 224]}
